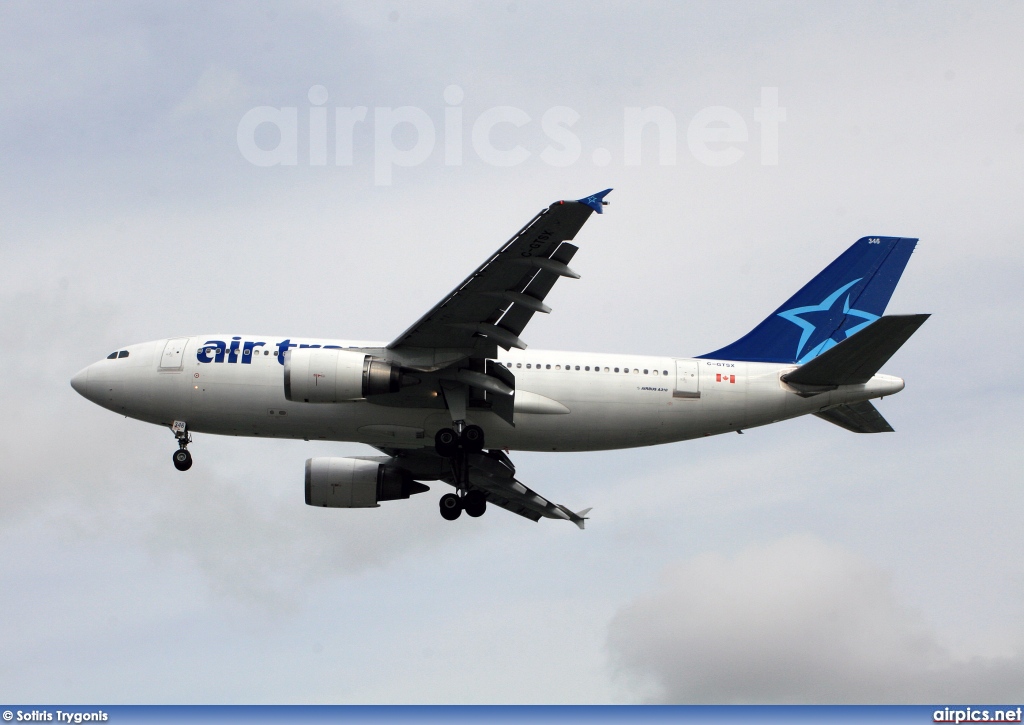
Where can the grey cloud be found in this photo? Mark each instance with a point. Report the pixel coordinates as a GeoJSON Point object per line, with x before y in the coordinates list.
{"type": "Point", "coordinates": [218, 87]}
{"type": "Point", "coordinates": [796, 620]}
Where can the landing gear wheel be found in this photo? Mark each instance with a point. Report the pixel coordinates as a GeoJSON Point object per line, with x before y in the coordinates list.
{"type": "Point", "coordinates": [182, 459]}
{"type": "Point", "coordinates": [474, 503]}
{"type": "Point", "coordinates": [473, 438]}
{"type": "Point", "coordinates": [451, 507]}
{"type": "Point", "coordinates": [446, 442]}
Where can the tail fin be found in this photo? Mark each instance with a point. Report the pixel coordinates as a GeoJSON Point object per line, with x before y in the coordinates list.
{"type": "Point", "coordinates": [845, 297]}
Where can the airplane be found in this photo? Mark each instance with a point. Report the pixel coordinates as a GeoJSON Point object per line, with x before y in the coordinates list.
{"type": "Point", "coordinates": [453, 395]}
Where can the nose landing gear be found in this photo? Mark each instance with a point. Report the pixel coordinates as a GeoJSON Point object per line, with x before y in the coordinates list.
{"type": "Point", "coordinates": [182, 458]}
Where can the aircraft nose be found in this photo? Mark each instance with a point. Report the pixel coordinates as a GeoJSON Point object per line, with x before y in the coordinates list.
{"type": "Point", "coordinates": [81, 382]}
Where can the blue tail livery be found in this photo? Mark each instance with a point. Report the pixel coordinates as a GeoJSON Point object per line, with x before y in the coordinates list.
{"type": "Point", "coordinates": [847, 296]}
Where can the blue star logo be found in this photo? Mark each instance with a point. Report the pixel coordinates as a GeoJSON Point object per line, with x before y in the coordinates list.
{"type": "Point", "coordinates": [831, 322]}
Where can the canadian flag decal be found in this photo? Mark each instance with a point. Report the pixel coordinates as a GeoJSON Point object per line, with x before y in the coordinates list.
{"type": "Point", "coordinates": [719, 378]}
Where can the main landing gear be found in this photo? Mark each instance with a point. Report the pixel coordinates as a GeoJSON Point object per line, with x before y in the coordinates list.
{"type": "Point", "coordinates": [449, 443]}
{"type": "Point", "coordinates": [455, 446]}
{"type": "Point", "coordinates": [182, 458]}
{"type": "Point", "coordinates": [474, 503]}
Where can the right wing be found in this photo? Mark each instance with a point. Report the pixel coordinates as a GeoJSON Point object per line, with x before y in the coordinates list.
{"type": "Point", "coordinates": [491, 472]}
{"type": "Point", "coordinates": [493, 305]}
{"type": "Point", "coordinates": [494, 474]}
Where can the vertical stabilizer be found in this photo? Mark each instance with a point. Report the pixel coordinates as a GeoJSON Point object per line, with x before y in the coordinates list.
{"type": "Point", "coordinates": [844, 298]}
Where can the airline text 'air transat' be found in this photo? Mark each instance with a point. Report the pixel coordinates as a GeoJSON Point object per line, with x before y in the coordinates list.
{"type": "Point", "coordinates": [453, 394]}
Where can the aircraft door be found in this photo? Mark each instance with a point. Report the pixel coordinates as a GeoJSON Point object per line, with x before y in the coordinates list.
{"type": "Point", "coordinates": [687, 379]}
{"type": "Point", "coordinates": [173, 356]}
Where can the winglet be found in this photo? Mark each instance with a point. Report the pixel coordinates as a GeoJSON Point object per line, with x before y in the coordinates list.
{"type": "Point", "coordinates": [581, 517]}
{"type": "Point", "coordinates": [596, 201]}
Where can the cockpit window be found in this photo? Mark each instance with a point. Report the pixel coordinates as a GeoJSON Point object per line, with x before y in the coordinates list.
{"type": "Point", "coordinates": [123, 353]}
{"type": "Point", "coordinates": [112, 355]}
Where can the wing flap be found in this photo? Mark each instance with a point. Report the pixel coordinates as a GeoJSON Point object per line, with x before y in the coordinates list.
{"type": "Point", "coordinates": [502, 405]}
{"type": "Point", "coordinates": [512, 506]}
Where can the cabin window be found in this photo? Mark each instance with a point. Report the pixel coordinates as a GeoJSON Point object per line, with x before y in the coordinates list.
{"type": "Point", "coordinates": [547, 367]}
{"type": "Point", "coordinates": [655, 372]}
{"type": "Point", "coordinates": [578, 367]}
{"type": "Point", "coordinates": [645, 371]}
{"type": "Point", "coordinates": [558, 367]}
{"type": "Point", "coordinates": [635, 371]}
{"type": "Point", "coordinates": [123, 353]}
{"type": "Point", "coordinates": [616, 370]}
{"type": "Point", "coordinates": [664, 372]}
{"type": "Point", "coordinates": [519, 365]}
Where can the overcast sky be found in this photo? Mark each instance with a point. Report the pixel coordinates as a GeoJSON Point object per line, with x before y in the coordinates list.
{"type": "Point", "coordinates": [797, 563]}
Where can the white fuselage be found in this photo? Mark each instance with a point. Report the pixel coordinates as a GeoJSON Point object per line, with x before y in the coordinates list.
{"type": "Point", "coordinates": [621, 401]}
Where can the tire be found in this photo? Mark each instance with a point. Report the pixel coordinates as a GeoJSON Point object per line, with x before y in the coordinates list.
{"type": "Point", "coordinates": [475, 503]}
{"type": "Point", "coordinates": [451, 507]}
{"type": "Point", "coordinates": [182, 459]}
{"type": "Point", "coordinates": [446, 443]}
{"type": "Point", "coordinates": [473, 438]}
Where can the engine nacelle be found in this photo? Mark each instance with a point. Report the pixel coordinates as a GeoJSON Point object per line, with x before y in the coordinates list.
{"type": "Point", "coordinates": [315, 375]}
{"type": "Point", "coordinates": [356, 483]}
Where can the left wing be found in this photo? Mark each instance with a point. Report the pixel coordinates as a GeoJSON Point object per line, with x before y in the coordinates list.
{"type": "Point", "coordinates": [493, 305]}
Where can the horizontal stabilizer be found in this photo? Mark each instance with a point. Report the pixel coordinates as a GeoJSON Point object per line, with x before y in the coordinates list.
{"type": "Point", "coordinates": [857, 417]}
{"type": "Point", "coordinates": [858, 357]}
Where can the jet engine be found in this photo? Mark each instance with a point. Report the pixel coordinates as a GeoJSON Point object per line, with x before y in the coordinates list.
{"type": "Point", "coordinates": [356, 483]}
{"type": "Point", "coordinates": [315, 375]}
